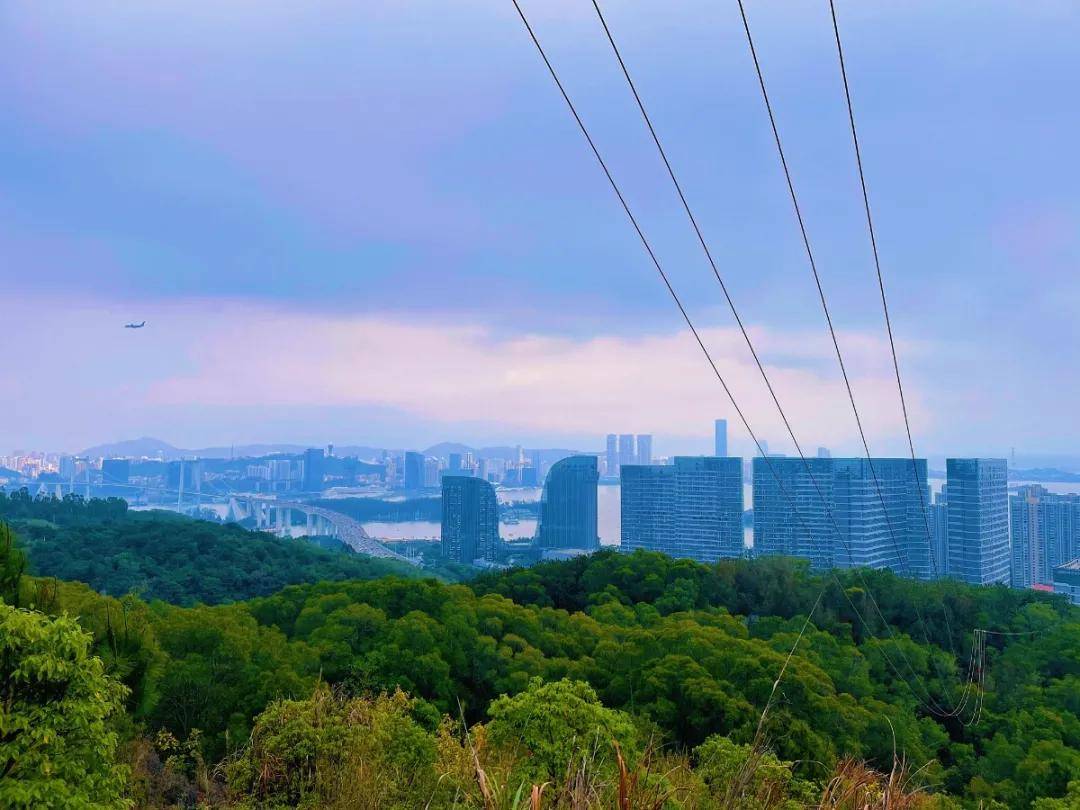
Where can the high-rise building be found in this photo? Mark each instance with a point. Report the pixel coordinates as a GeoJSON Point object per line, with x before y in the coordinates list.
{"type": "Point", "coordinates": [611, 456]}
{"type": "Point", "coordinates": [720, 438]}
{"type": "Point", "coordinates": [529, 477]}
{"type": "Point", "coordinates": [691, 509]}
{"type": "Point", "coordinates": [470, 519]}
{"type": "Point", "coordinates": [939, 529]}
{"type": "Point", "coordinates": [1045, 533]}
{"type": "Point", "coordinates": [627, 453]}
{"type": "Point", "coordinates": [536, 458]}
{"type": "Point", "coordinates": [881, 513]}
{"type": "Point", "coordinates": [431, 472]}
{"type": "Point", "coordinates": [1066, 580]}
{"type": "Point", "coordinates": [978, 520]}
{"type": "Point", "coordinates": [568, 505]}
{"type": "Point", "coordinates": [115, 471]}
{"type": "Point", "coordinates": [644, 448]}
{"type": "Point", "coordinates": [853, 521]}
{"type": "Point", "coordinates": [314, 470]}
{"type": "Point", "coordinates": [454, 464]}
{"type": "Point", "coordinates": [799, 530]}
{"type": "Point", "coordinates": [281, 472]}
{"type": "Point", "coordinates": [709, 506]}
{"type": "Point", "coordinates": [824, 452]}
{"type": "Point", "coordinates": [414, 470]}
{"type": "Point", "coordinates": [647, 506]}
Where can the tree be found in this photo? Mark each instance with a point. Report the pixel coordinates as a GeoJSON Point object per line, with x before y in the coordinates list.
{"type": "Point", "coordinates": [12, 566]}
{"type": "Point", "coordinates": [56, 745]}
{"type": "Point", "coordinates": [319, 751]}
{"type": "Point", "coordinates": [561, 727]}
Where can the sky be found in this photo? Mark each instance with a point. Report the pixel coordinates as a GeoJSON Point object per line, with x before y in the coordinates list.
{"type": "Point", "coordinates": [376, 223]}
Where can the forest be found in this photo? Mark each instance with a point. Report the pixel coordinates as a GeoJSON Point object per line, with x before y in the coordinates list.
{"type": "Point", "coordinates": [160, 555]}
{"type": "Point", "coordinates": [613, 680]}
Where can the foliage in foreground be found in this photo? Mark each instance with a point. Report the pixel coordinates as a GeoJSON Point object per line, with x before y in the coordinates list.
{"type": "Point", "coordinates": [336, 751]}
{"type": "Point", "coordinates": [685, 654]}
{"type": "Point", "coordinates": [57, 746]}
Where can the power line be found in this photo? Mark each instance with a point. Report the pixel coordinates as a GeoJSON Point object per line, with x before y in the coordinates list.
{"type": "Point", "coordinates": [829, 322]}
{"type": "Point", "coordinates": [746, 337]}
{"type": "Point", "coordinates": [932, 705]}
{"type": "Point", "coordinates": [877, 268]}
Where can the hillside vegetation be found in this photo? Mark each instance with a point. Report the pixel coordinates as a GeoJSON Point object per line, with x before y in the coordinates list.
{"type": "Point", "coordinates": [160, 555]}
{"type": "Point", "coordinates": [626, 681]}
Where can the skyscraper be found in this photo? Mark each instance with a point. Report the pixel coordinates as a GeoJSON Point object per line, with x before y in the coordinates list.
{"type": "Point", "coordinates": [414, 470]}
{"type": "Point", "coordinates": [878, 524]}
{"type": "Point", "coordinates": [470, 519]}
{"type": "Point", "coordinates": [644, 448]}
{"type": "Point", "coordinates": [314, 470]}
{"type": "Point", "coordinates": [1045, 533]}
{"type": "Point", "coordinates": [800, 531]}
{"type": "Point", "coordinates": [627, 453]}
{"type": "Point", "coordinates": [536, 459]}
{"type": "Point", "coordinates": [647, 506]}
{"type": "Point", "coordinates": [568, 505]}
{"type": "Point", "coordinates": [612, 456]}
{"type": "Point", "coordinates": [431, 473]}
{"type": "Point", "coordinates": [690, 509]}
{"type": "Point", "coordinates": [720, 438]}
{"type": "Point", "coordinates": [709, 506]}
{"type": "Point", "coordinates": [880, 511]}
{"type": "Point", "coordinates": [978, 520]}
{"type": "Point", "coordinates": [939, 528]}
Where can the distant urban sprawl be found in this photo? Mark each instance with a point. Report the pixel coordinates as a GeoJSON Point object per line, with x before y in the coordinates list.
{"type": "Point", "coordinates": [879, 513]}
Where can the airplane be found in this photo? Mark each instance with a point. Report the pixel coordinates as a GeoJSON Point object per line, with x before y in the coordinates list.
{"type": "Point", "coordinates": [139, 325]}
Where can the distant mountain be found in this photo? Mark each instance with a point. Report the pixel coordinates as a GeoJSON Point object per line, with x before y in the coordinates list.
{"type": "Point", "coordinates": [443, 449]}
{"type": "Point", "coordinates": [136, 448]}
{"type": "Point", "coordinates": [154, 448]}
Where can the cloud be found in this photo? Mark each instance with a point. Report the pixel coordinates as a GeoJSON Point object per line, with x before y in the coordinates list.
{"type": "Point", "coordinates": [453, 374]}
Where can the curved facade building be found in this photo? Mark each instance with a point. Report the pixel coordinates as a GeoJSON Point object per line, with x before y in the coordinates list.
{"type": "Point", "coordinates": [568, 505]}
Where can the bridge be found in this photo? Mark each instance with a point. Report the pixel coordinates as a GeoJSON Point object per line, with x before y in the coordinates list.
{"type": "Point", "coordinates": [277, 517]}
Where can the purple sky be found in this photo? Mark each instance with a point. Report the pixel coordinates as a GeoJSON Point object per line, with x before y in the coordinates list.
{"type": "Point", "coordinates": [375, 222]}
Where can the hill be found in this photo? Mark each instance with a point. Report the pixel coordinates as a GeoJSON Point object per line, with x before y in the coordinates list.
{"type": "Point", "coordinates": [135, 448]}
{"type": "Point", "coordinates": [160, 555]}
{"type": "Point", "coordinates": [628, 647]}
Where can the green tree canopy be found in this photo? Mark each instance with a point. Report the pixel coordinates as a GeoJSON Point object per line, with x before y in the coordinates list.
{"type": "Point", "coordinates": [57, 748]}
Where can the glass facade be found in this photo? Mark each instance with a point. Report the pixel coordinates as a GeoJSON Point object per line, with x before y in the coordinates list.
{"type": "Point", "coordinates": [470, 519]}
{"type": "Point", "coordinates": [568, 505]}
{"type": "Point", "coordinates": [691, 509]}
{"type": "Point", "coordinates": [777, 529]}
{"type": "Point", "coordinates": [647, 506]}
{"type": "Point", "coordinates": [978, 520]}
{"type": "Point", "coordinates": [413, 474]}
{"type": "Point", "coordinates": [889, 528]}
